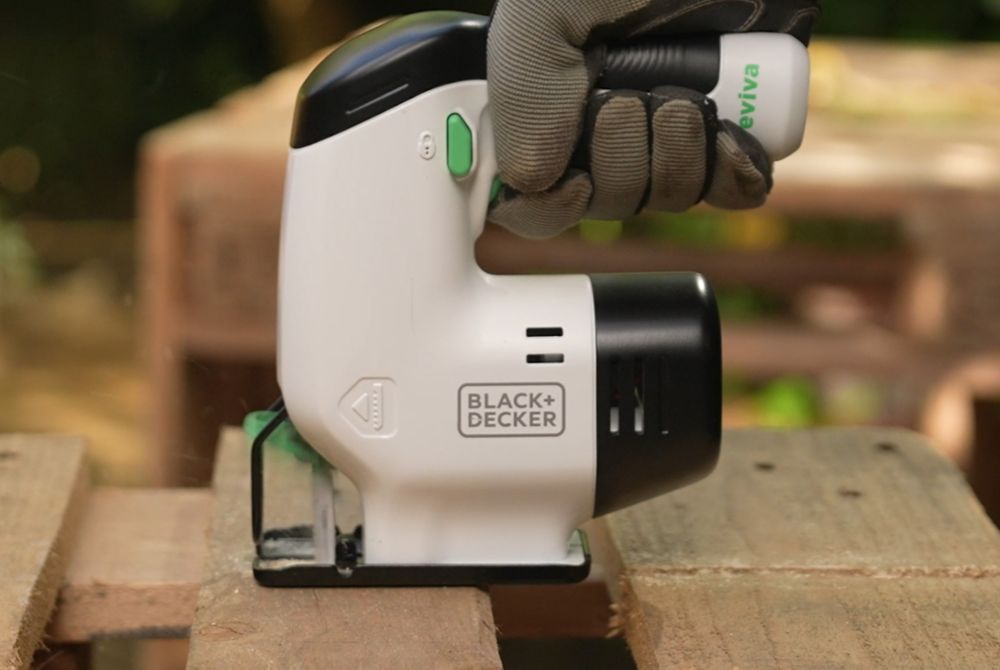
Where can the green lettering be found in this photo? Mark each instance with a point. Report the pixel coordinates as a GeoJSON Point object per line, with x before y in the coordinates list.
{"type": "Point", "coordinates": [751, 72]}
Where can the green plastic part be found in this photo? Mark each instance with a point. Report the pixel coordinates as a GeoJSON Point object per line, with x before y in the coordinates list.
{"type": "Point", "coordinates": [459, 146]}
{"type": "Point", "coordinates": [495, 188]}
{"type": "Point", "coordinates": [284, 437]}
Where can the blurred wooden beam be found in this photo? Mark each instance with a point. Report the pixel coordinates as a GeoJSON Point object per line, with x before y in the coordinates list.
{"type": "Point", "coordinates": [782, 270]}
{"type": "Point", "coordinates": [43, 485]}
{"type": "Point", "coordinates": [770, 349]}
{"type": "Point", "coordinates": [136, 565]}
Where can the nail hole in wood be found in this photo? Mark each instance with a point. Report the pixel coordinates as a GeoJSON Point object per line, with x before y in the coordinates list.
{"type": "Point", "coordinates": [7, 455]}
{"type": "Point", "coordinates": [849, 493]}
{"type": "Point", "coordinates": [887, 447]}
{"type": "Point", "coordinates": [764, 466]}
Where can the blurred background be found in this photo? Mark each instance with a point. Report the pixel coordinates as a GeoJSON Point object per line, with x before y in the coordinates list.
{"type": "Point", "coordinates": [142, 148]}
{"type": "Point", "coordinates": [141, 158]}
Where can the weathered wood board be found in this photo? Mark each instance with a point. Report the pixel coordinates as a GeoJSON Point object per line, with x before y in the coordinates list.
{"type": "Point", "coordinates": [43, 483]}
{"type": "Point", "coordinates": [239, 624]}
{"type": "Point", "coordinates": [136, 565]}
{"type": "Point", "coordinates": [826, 548]}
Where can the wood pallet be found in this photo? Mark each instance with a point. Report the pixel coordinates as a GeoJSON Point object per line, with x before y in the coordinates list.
{"type": "Point", "coordinates": [833, 548]}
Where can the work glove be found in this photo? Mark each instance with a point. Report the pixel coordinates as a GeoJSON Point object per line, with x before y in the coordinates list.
{"type": "Point", "coordinates": [663, 150]}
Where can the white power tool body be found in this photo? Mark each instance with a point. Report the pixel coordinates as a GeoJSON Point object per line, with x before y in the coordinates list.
{"type": "Point", "coordinates": [482, 418]}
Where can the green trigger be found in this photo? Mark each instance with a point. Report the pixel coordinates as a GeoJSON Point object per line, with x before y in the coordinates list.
{"type": "Point", "coordinates": [459, 146]}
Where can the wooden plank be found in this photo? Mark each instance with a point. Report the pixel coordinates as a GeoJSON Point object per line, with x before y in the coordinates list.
{"type": "Point", "coordinates": [771, 348]}
{"type": "Point", "coordinates": [802, 621]}
{"type": "Point", "coordinates": [840, 547]}
{"type": "Point", "coordinates": [43, 482]}
{"type": "Point", "coordinates": [239, 624]}
{"type": "Point", "coordinates": [161, 264]}
{"type": "Point", "coordinates": [782, 270]}
{"type": "Point", "coordinates": [147, 585]}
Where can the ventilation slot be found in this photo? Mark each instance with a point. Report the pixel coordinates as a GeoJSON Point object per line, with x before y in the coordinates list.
{"type": "Point", "coordinates": [635, 396]}
{"type": "Point", "coordinates": [659, 367]}
{"type": "Point", "coordinates": [544, 332]}
{"type": "Point", "coordinates": [545, 358]}
{"type": "Point", "coordinates": [655, 399]}
{"type": "Point", "coordinates": [639, 413]}
{"type": "Point", "coordinates": [625, 377]}
{"type": "Point", "coordinates": [614, 395]}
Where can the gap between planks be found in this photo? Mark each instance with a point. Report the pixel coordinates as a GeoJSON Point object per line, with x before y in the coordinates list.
{"type": "Point", "coordinates": [136, 565]}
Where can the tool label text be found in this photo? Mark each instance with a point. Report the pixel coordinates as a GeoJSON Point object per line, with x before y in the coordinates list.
{"type": "Point", "coordinates": [511, 410]}
{"type": "Point", "coordinates": [748, 96]}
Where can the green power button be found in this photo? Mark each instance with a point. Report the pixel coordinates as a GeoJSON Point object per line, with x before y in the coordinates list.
{"type": "Point", "coordinates": [459, 146]}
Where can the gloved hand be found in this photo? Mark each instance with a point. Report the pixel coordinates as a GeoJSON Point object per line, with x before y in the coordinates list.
{"type": "Point", "coordinates": [664, 150]}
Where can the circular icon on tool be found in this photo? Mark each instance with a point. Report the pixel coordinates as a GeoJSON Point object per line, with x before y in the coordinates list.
{"type": "Point", "coordinates": [426, 146]}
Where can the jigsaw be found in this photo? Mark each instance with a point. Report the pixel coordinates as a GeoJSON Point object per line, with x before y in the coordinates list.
{"type": "Point", "coordinates": [482, 418]}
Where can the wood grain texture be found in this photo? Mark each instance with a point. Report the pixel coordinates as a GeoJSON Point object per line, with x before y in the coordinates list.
{"type": "Point", "coordinates": [805, 621]}
{"type": "Point", "coordinates": [43, 482]}
{"type": "Point", "coordinates": [827, 548]}
{"type": "Point", "coordinates": [148, 585]}
{"type": "Point", "coordinates": [239, 624]}
{"type": "Point", "coordinates": [136, 565]}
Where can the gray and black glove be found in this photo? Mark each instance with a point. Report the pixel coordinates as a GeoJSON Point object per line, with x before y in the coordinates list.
{"type": "Point", "coordinates": [665, 149]}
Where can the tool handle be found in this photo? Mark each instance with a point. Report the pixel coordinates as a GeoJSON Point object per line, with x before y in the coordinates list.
{"type": "Point", "coordinates": [688, 61]}
{"type": "Point", "coordinates": [759, 81]}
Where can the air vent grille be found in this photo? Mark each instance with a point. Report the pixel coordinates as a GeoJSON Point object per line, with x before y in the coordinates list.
{"type": "Point", "coordinates": [635, 397]}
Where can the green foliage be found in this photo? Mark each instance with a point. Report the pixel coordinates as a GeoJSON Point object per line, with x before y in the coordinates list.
{"type": "Point", "coordinates": [845, 234]}
{"type": "Point", "coordinates": [913, 19]}
{"type": "Point", "coordinates": [788, 402]}
{"type": "Point", "coordinates": [700, 228]}
{"type": "Point", "coordinates": [600, 232]}
{"type": "Point", "coordinates": [744, 303]}
{"type": "Point", "coordinates": [18, 265]}
{"type": "Point", "coordinates": [81, 81]}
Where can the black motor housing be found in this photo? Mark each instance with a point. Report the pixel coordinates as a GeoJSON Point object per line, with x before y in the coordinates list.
{"type": "Point", "coordinates": [659, 384]}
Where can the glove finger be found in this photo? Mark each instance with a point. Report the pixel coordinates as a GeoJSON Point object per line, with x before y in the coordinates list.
{"type": "Point", "coordinates": [707, 16]}
{"type": "Point", "coordinates": [540, 67]}
{"type": "Point", "coordinates": [795, 17]}
{"type": "Point", "coordinates": [725, 16]}
{"type": "Point", "coordinates": [540, 64]}
{"type": "Point", "coordinates": [617, 140]}
{"type": "Point", "coordinates": [684, 125]}
{"type": "Point", "coordinates": [542, 215]}
{"type": "Point", "coordinates": [742, 177]}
